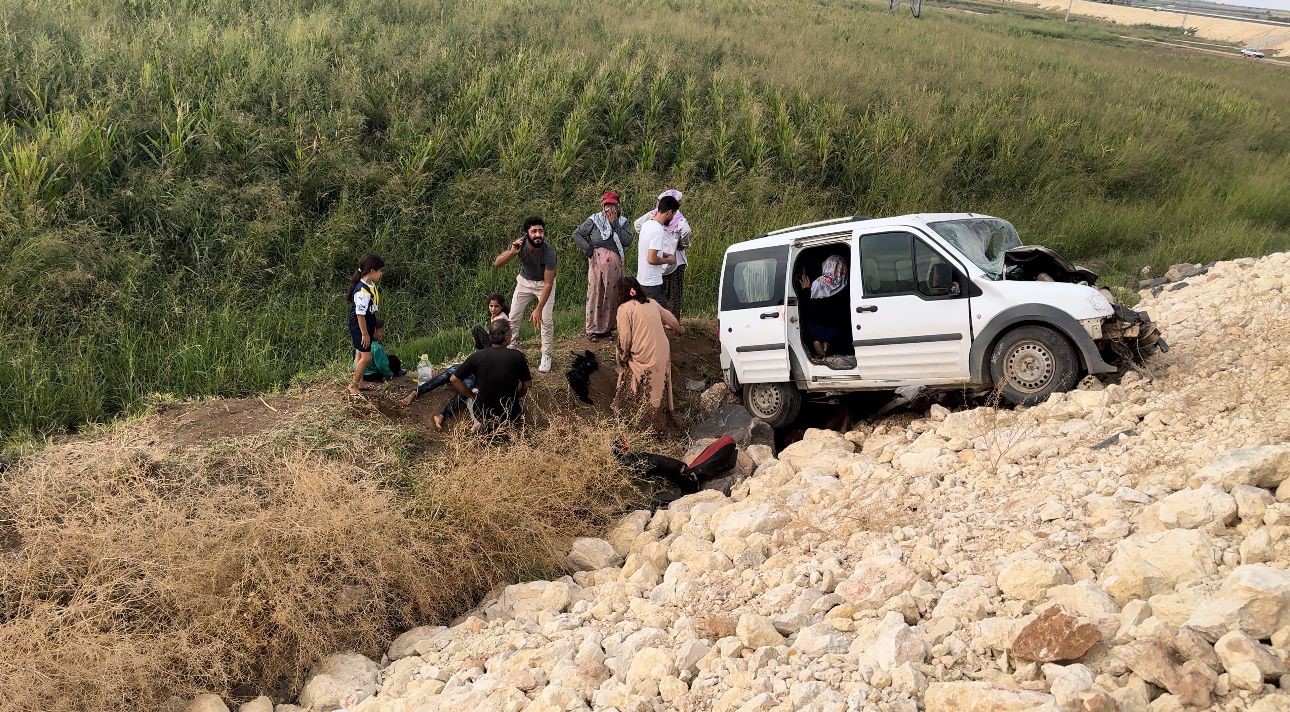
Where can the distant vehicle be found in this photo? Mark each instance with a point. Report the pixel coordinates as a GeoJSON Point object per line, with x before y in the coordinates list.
{"type": "Point", "coordinates": [1251, 52]}
{"type": "Point", "coordinates": [940, 300]}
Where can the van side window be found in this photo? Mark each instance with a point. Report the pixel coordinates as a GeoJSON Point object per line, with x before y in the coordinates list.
{"type": "Point", "coordinates": [894, 263]}
{"type": "Point", "coordinates": [887, 263]}
{"type": "Point", "coordinates": [924, 258]}
{"type": "Point", "coordinates": [754, 279]}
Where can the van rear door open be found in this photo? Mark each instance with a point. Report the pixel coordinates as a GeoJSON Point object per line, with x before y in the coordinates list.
{"type": "Point", "coordinates": [752, 313]}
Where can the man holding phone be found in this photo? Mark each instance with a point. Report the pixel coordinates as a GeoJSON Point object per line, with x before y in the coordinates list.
{"type": "Point", "coordinates": [536, 280]}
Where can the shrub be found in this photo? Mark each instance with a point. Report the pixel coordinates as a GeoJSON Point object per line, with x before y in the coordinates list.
{"type": "Point", "coordinates": [129, 572]}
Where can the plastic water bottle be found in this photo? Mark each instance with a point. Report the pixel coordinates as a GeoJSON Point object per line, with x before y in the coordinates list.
{"type": "Point", "coordinates": [424, 370]}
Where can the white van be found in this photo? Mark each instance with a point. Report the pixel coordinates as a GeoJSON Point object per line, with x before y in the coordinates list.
{"type": "Point", "coordinates": [942, 300]}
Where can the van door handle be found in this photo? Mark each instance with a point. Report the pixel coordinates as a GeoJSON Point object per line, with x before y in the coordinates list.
{"type": "Point", "coordinates": [770, 315]}
{"type": "Point", "coordinates": [870, 308]}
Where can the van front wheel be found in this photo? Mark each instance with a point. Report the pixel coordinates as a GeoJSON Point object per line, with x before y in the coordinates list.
{"type": "Point", "coordinates": [1031, 363]}
{"type": "Point", "coordinates": [776, 403]}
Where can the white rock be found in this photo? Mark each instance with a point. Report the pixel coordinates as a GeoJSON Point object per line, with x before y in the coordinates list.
{"type": "Point", "coordinates": [1193, 508]}
{"type": "Point", "coordinates": [259, 704]}
{"type": "Point", "coordinates": [812, 444]}
{"type": "Point", "coordinates": [1254, 598]}
{"type": "Point", "coordinates": [406, 644]}
{"type": "Point", "coordinates": [747, 518]}
{"type": "Point", "coordinates": [981, 697]}
{"type": "Point", "coordinates": [875, 581]}
{"type": "Point", "coordinates": [623, 536]}
{"type": "Point", "coordinates": [1030, 579]}
{"type": "Point", "coordinates": [1240, 653]}
{"type": "Point", "coordinates": [1052, 511]}
{"type": "Point", "coordinates": [965, 424]}
{"type": "Point", "coordinates": [820, 639]}
{"type": "Point", "coordinates": [207, 703]}
{"type": "Point", "coordinates": [1147, 564]}
{"type": "Point", "coordinates": [760, 454]}
{"type": "Point", "coordinates": [649, 665]}
{"type": "Point", "coordinates": [1067, 684]}
{"type": "Point", "coordinates": [1086, 599]}
{"type": "Point", "coordinates": [518, 599]}
{"type": "Point", "coordinates": [591, 554]}
{"type": "Point", "coordinates": [689, 654]}
{"type": "Point", "coordinates": [1276, 702]}
{"type": "Point", "coordinates": [1256, 548]}
{"type": "Point", "coordinates": [1251, 502]}
{"type": "Point", "coordinates": [340, 680]}
{"type": "Point", "coordinates": [969, 601]}
{"type": "Point", "coordinates": [756, 631]}
{"type": "Point", "coordinates": [895, 645]}
{"type": "Point", "coordinates": [998, 633]}
{"type": "Point", "coordinates": [1266, 466]}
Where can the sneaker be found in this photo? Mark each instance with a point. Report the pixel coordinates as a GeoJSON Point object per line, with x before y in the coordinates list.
{"type": "Point", "coordinates": [545, 366]}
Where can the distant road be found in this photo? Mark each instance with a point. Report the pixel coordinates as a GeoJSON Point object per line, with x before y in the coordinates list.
{"type": "Point", "coordinates": [1224, 53]}
{"type": "Point", "coordinates": [1245, 32]}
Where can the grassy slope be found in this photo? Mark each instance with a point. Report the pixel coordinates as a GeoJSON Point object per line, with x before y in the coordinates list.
{"type": "Point", "coordinates": [184, 186]}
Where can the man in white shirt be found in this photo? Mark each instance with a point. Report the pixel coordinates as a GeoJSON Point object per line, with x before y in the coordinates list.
{"type": "Point", "coordinates": [656, 249]}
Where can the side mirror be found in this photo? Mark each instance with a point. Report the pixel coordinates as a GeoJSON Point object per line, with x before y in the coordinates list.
{"type": "Point", "coordinates": [941, 279]}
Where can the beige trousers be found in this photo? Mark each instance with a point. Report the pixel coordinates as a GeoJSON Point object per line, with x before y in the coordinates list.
{"type": "Point", "coordinates": [526, 292]}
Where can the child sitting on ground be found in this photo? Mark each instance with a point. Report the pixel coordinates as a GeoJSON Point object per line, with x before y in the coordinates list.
{"type": "Point", "coordinates": [382, 366]}
{"type": "Point", "coordinates": [497, 311]}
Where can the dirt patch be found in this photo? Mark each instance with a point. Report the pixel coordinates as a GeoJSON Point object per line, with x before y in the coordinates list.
{"type": "Point", "coordinates": [195, 425]}
{"type": "Point", "coordinates": [187, 425]}
{"type": "Point", "coordinates": [694, 356]}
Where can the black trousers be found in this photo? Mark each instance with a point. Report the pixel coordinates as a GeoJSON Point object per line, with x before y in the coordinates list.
{"type": "Point", "coordinates": [656, 293]}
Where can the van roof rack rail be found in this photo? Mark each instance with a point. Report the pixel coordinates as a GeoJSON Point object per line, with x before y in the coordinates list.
{"type": "Point", "coordinates": [821, 223]}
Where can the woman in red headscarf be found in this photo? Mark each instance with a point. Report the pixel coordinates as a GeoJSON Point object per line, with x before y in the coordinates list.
{"type": "Point", "coordinates": [604, 238]}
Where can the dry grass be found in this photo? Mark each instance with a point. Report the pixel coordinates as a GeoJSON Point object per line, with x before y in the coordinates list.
{"type": "Point", "coordinates": [127, 575]}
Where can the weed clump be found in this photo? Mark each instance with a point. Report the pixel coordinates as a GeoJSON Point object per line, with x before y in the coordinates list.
{"type": "Point", "coordinates": [128, 574]}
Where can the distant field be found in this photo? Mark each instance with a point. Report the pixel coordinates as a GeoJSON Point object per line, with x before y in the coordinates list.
{"type": "Point", "coordinates": [185, 186]}
{"type": "Point", "coordinates": [1270, 38]}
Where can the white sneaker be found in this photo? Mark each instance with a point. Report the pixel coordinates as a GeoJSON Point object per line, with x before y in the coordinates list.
{"type": "Point", "coordinates": [545, 366]}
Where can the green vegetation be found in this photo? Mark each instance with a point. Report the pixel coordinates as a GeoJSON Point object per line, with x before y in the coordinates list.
{"type": "Point", "coordinates": [185, 186]}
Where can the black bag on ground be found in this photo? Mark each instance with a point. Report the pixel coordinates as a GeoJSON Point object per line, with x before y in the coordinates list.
{"type": "Point", "coordinates": [659, 469]}
{"type": "Point", "coordinates": [715, 459]}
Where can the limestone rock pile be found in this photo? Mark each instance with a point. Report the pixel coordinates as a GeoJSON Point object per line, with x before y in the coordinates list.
{"type": "Point", "coordinates": [1119, 547]}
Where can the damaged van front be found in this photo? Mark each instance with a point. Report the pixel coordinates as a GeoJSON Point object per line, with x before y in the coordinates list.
{"type": "Point", "coordinates": [1122, 334]}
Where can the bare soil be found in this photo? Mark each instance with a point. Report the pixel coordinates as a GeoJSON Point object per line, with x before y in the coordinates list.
{"type": "Point", "coordinates": [193, 425]}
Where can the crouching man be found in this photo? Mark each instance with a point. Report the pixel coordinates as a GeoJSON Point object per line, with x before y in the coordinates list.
{"type": "Point", "coordinates": [502, 379]}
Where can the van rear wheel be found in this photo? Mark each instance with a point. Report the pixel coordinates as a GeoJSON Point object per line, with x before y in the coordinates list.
{"type": "Point", "coordinates": [776, 403]}
{"type": "Point", "coordinates": [1030, 363]}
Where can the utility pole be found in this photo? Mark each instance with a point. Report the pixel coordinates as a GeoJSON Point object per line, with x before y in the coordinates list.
{"type": "Point", "coordinates": [1186, 9]}
{"type": "Point", "coordinates": [1068, 10]}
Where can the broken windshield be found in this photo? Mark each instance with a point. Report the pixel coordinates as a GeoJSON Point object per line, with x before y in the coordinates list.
{"type": "Point", "coordinates": [982, 240]}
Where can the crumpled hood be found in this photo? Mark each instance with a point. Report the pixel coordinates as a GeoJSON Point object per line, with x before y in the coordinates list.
{"type": "Point", "coordinates": [1030, 263]}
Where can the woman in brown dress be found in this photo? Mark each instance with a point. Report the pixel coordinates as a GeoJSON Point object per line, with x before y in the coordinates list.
{"type": "Point", "coordinates": [644, 353]}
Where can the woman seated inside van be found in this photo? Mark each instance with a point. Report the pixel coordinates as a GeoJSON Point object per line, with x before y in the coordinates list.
{"type": "Point", "coordinates": [824, 303]}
